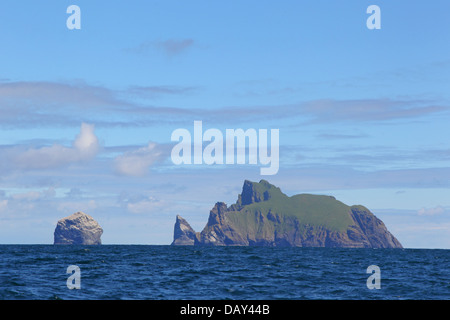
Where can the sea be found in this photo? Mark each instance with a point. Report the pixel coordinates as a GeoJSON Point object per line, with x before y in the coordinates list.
{"type": "Point", "coordinates": [160, 272]}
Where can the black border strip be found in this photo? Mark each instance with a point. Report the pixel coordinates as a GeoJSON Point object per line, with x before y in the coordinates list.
{"type": "Point", "coordinates": [172, 309]}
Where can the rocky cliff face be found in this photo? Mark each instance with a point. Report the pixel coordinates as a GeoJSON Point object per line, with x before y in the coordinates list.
{"type": "Point", "coordinates": [264, 216]}
{"type": "Point", "coordinates": [78, 228]}
{"type": "Point", "coordinates": [183, 234]}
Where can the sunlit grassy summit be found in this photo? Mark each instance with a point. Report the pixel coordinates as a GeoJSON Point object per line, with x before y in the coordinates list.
{"type": "Point", "coordinates": [264, 216]}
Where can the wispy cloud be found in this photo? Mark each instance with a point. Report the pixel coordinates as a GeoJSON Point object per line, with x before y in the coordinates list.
{"type": "Point", "coordinates": [148, 205]}
{"type": "Point", "coordinates": [156, 91]}
{"type": "Point", "coordinates": [340, 136]}
{"type": "Point", "coordinates": [53, 94]}
{"type": "Point", "coordinates": [369, 110]}
{"type": "Point", "coordinates": [138, 162]}
{"type": "Point", "coordinates": [174, 47]}
{"type": "Point", "coordinates": [41, 103]}
{"type": "Point", "coordinates": [38, 103]}
{"type": "Point", "coordinates": [170, 47]}
{"type": "Point", "coordinates": [30, 104]}
{"type": "Point", "coordinates": [439, 210]}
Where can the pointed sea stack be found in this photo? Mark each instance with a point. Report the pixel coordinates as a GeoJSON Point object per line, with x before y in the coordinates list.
{"type": "Point", "coordinates": [264, 216]}
{"type": "Point", "coordinates": [183, 234]}
{"type": "Point", "coordinates": [78, 228]}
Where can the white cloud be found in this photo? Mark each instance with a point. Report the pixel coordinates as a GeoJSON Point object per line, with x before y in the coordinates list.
{"type": "Point", "coordinates": [68, 207]}
{"type": "Point", "coordinates": [27, 196]}
{"type": "Point", "coordinates": [138, 162]}
{"type": "Point", "coordinates": [431, 211]}
{"type": "Point", "coordinates": [146, 206]}
{"type": "Point", "coordinates": [34, 195]}
{"type": "Point", "coordinates": [86, 144]}
{"type": "Point", "coordinates": [21, 204]}
{"type": "Point", "coordinates": [3, 205]}
{"type": "Point", "coordinates": [84, 147]}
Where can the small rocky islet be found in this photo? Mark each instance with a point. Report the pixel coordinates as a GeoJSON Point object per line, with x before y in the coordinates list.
{"type": "Point", "coordinates": [78, 229]}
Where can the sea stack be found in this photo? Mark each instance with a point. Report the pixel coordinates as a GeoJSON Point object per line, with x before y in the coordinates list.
{"type": "Point", "coordinates": [183, 234]}
{"type": "Point", "coordinates": [78, 228]}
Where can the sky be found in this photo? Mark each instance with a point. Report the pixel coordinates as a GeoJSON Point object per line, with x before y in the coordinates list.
{"type": "Point", "coordinates": [86, 115]}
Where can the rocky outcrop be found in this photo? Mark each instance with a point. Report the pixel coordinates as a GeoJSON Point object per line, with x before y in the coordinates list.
{"type": "Point", "coordinates": [264, 216]}
{"type": "Point", "coordinates": [78, 228]}
{"type": "Point", "coordinates": [183, 234]}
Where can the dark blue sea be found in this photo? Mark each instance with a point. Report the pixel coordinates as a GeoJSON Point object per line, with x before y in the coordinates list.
{"type": "Point", "coordinates": [138, 272]}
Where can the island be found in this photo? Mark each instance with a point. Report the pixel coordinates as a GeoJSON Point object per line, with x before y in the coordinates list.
{"type": "Point", "coordinates": [265, 216]}
{"type": "Point", "coordinates": [78, 228]}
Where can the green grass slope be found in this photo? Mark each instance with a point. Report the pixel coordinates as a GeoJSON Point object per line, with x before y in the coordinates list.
{"type": "Point", "coordinates": [314, 210]}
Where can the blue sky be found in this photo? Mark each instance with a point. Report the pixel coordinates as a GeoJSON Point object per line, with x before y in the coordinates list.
{"type": "Point", "coordinates": [86, 115]}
